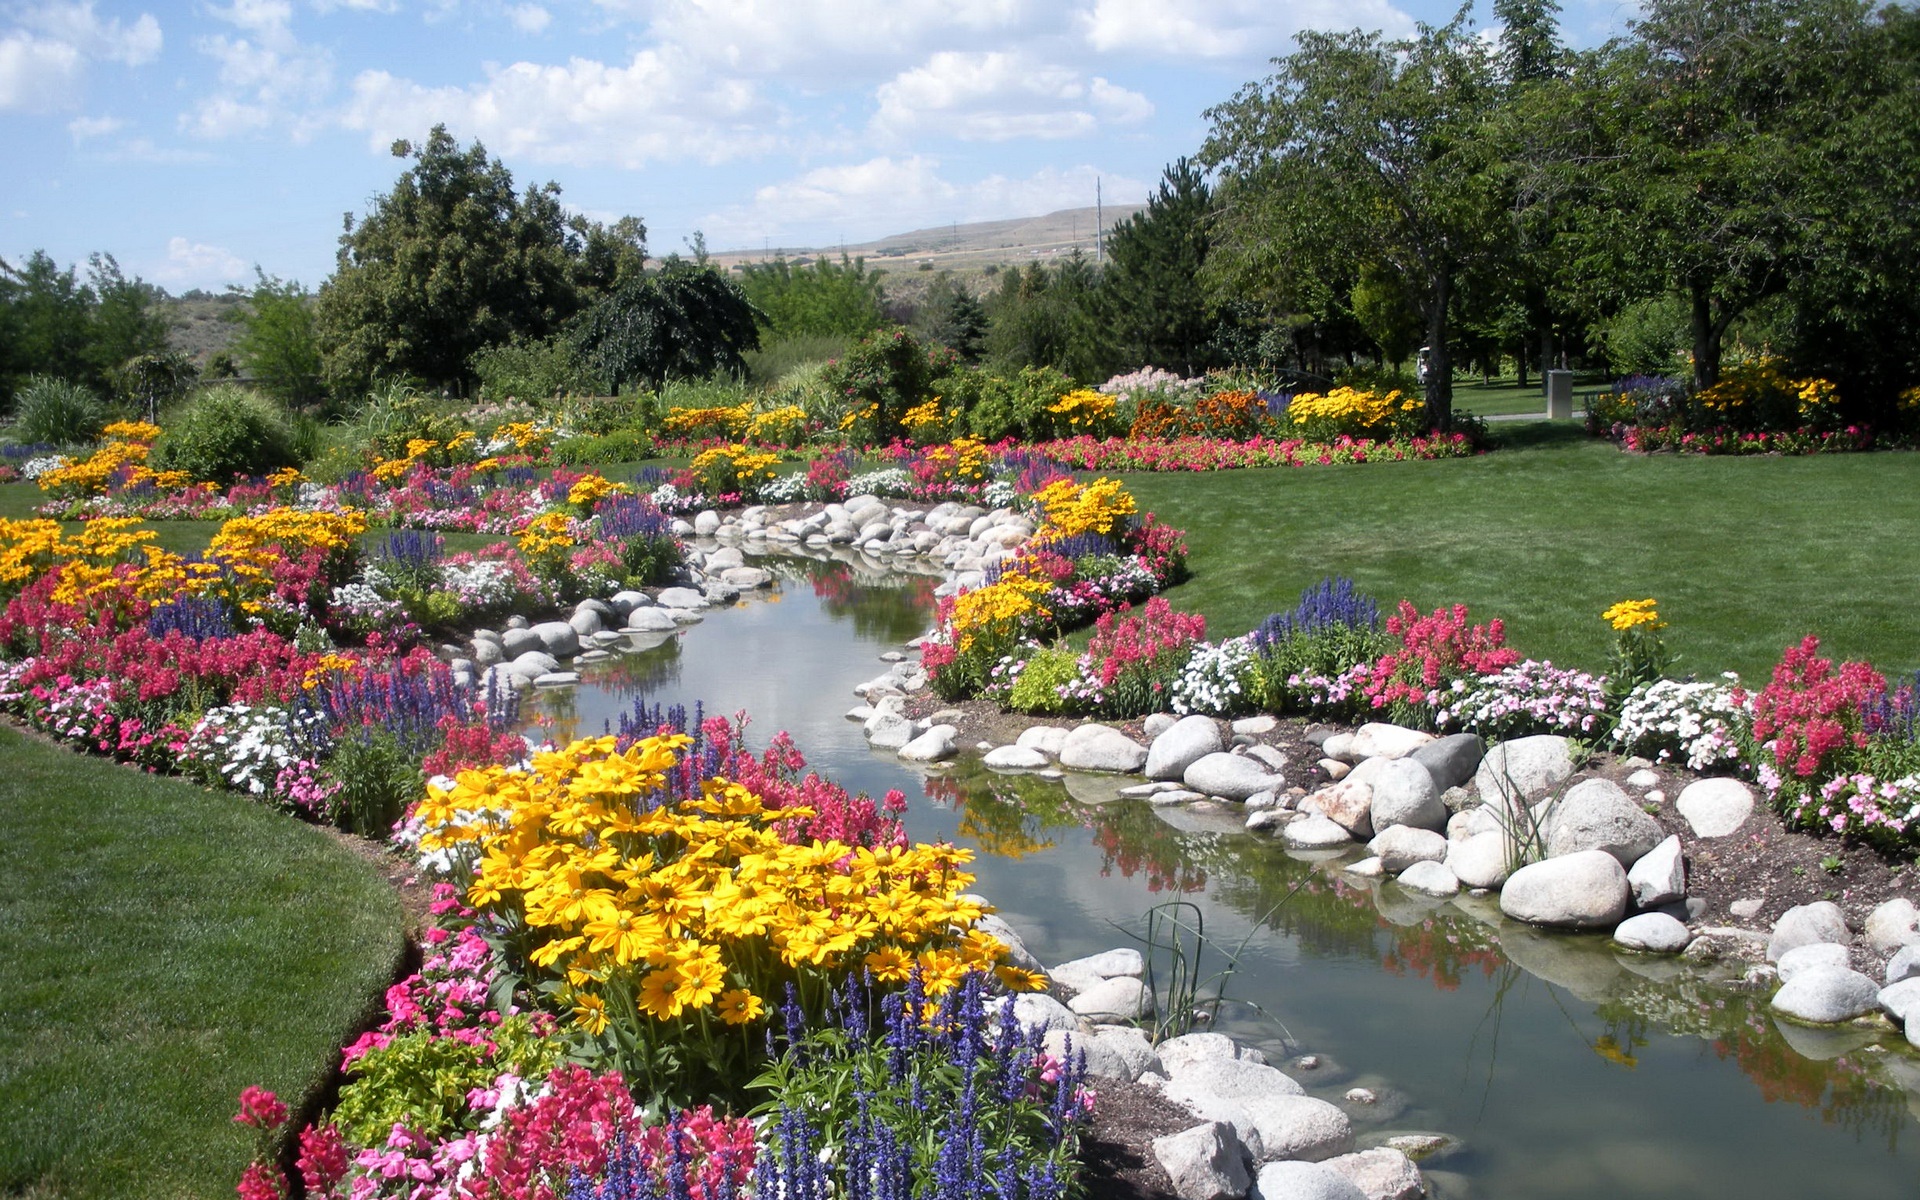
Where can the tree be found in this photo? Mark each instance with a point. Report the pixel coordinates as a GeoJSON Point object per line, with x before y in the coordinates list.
{"type": "Point", "coordinates": [1358, 149]}
{"type": "Point", "coordinates": [1043, 317]}
{"type": "Point", "coordinates": [1530, 48]}
{"type": "Point", "coordinates": [685, 322]}
{"type": "Point", "coordinates": [1151, 287]}
{"type": "Point", "coordinates": [125, 322]}
{"type": "Point", "coordinates": [953, 318]}
{"type": "Point", "coordinates": [823, 299]}
{"type": "Point", "coordinates": [53, 324]}
{"type": "Point", "coordinates": [1708, 140]}
{"type": "Point", "coordinates": [278, 342]}
{"type": "Point", "coordinates": [451, 260]}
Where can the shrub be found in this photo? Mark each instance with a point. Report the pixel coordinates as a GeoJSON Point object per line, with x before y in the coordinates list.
{"type": "Point", "coordinates": [57, 412]}
{"type": "Point", "coordinates": [1018, 407]}
{"type": "Point", "coordinates": [884, 375]}
{"type": "Point", "coordinates": [1036, 689]}
{"type": "Point", "coordinates": [531, 369]}
{"type": "Point", "coordinates": [225, 433]}
{"type": "Point", "coordinates": [621, 446]}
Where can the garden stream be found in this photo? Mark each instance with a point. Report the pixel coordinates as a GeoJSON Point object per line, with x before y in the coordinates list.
{"type": "Point", "coordinates": [1566, 1071]}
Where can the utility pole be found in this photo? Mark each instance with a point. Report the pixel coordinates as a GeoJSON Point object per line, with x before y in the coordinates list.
{"type": "Point", "coordinates": [1099, 224]}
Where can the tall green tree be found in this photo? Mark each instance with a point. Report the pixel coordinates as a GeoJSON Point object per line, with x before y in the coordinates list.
{"type": "Point", "coordinates": [952, 317]}
{"type": "Point", "coordinates": [126, 321]}
{"type": "Point", "coordinates": [820, 299]}
{"type": "Point", "coordinates": [53, 323]}
{"type": "Point", "coordinates": [1361, 149]}
{"type": "Point", "coordinates": [1048, 317]}
{"type": "Point", "coordinates": [1708, 145]}
{"type": "Point", "coordinates": [686, 321]}
{"type": "Point", "coordinates": [278, 341]}
{"type": "Point", "coordinates": [1151, 288]}
{"type": "Point", "coordinates": [452, 260]}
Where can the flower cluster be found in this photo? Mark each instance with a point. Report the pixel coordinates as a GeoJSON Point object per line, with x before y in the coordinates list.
{"type": "Point", "coordinates": [1354, 412]}
{"type": "Point", "coordinates": [1698, 722]}
{"type": "Point", "coordinates": [1218, 680]}
{"type": "Point", "coordinates": [1170, 450]}
{"type": "Point", "coordinates": [1526, 697]}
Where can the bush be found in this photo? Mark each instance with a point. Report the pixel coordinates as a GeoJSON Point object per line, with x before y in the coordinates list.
{"type": "Point", "coordinates": [622, 446]}
{"type": "Point", "coordinates": [57, 412]}
{"type": "Point", "coordinates": [886, 374]}
{"type": "Point", "coordinates": [225, 433]}
{"type": "Point", "coordinates": [1017, 407]}
{"type": "Point", "coordinates": [1037, 689]}
{"type": "Point", "coordinates": [532, 370]}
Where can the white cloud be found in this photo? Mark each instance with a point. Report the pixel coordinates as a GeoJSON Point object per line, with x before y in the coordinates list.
{"type": "Point", "coordinates": [529, 18]}
{"type": "Point", "coordinates": [890, 195]}
{"type": "Point", "coordinates": [266, 77]}
{"type": "Point", "coordinates": [995, 95]}
{"type": "Point", "coordinates": [43, 61]}
{"type": "Point", "coordinates": [37, 74]}
{"type": "Point", "coordinates": [826, 39]}
{"type": "Point", "coordinates": [83, 128]}
{"type": "Point", "coordinates": [1254, 30]}
{"type": "Point", "coordinates": [196, 264]}
{"type": "Point", "coordinates": [658, 106]}
{"type": "Point", "coordinates": [77, 25]}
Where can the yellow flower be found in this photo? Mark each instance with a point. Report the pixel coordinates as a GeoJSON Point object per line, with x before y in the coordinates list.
{"type": "Point", "coordinates": [590, 1013]}
{"type": "Point", "coordinates": [1633, 614]}
{"type": "Point", "coordinates": [740, 1007]}
{"type": "Point", "coordinates": [889, 964]}
{"type": "Point", "coordinates": [1019, 979]}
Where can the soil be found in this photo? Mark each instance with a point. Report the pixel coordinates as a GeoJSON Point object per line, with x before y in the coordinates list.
{"type": "Point", "coordinates": [1116, 1154]}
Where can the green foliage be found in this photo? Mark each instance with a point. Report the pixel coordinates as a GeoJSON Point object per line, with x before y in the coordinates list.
{"type": "Point", "coordinates": [687, 321]}
{"type": "Point", "coordinates": [999, 407]}
{"type": "Point", "coordinates": [599, 415]}
{"type": "Point", "coordinates": [278, 341]}
{"type": "Point", "coordinates": [224, 433]}
{"type": "Point", "coordinates": [822, 299]}
{"type": "Point", "coordinates": [774, 361]}
{"type": "Point", "coordinates": [1049, 317]}
{"type": "Point", "coordinates": [377, 782]}
{"type": "Point", "coordinates": [1045, 672]}
{"type": "Point", "coordinates": [951, 317]}
{"type": "Point", "coordinates": [1647, 337]}
{"type": "Point", "coordinates": [886, 373]}
{"type": "Point", "coordinates": [532, 369]}
{"type": "Point", "coordinates": [594, 450]}
{"type": "Point", "coordinates": [153, 381]}
{"type": "Point", "coordinates": [1363, 150]}
{"type": "Point", "coordinates": [51, 323]}
{"type": "Point", "coordinates": [1388, 313]}
{"type": "Point", "coordinates": [421, 1079]}
{"type": "Point", "coordinates": [397, 414]}
{"type": "Point", "coordinates": [452, 261]}
{"type": "Point", "coordinates": [1152, 287]}
{"type": "Point", "coordinates": [57, 412]}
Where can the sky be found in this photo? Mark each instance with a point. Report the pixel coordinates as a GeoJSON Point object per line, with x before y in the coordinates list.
{"type": "Point", "coordinates": [196, 142]}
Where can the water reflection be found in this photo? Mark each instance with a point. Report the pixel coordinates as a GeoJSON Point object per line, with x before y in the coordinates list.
{"type": "Point", "coordinates": [1574, 1071]}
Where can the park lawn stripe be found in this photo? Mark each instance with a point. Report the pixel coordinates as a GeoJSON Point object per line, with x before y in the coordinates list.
{"type": "Point", "coordinates": [165, 946]}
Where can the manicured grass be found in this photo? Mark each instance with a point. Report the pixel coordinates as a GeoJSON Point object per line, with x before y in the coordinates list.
{"type": "Point", "coordinates": [163, 947]}
{"type": "Point", "coordinates": [1504, 396]}
{"type": "Point", "coordinates": [1745, 555]}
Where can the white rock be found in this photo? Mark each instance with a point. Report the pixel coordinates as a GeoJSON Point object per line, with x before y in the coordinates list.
{"type": "Point", "coordinates": [1101, 748]}
{"type": "Point", "coordinates": [1821, 921]}
{"type": "Point", "coordinates": [1233, 776]}
{"type": "Point", "coordinates": [888, 731]}
{"type": "Point", "coordinates": [1380, 1174]}
{"type": "Point", "coordinates": [1401, 846]}
{"type": "Point", "coordinates": [1715, 807]}
{"type": "Point", "coordinates": [1811, 955]}
{"type": "Point", "coordinates": [935, 745]}
{"type": "Point", "coordinates": [1376, 739]}
{"type": "Point", "coordinates": [650, 620]}
{"type": "Point", "coordinates": [1206, 1162]}
{"type": "Point", "coordinates": [1047, 739]}
{"type": "Point", "coordinates": [1905, 964]}
{"type": "Point", "coordinates": [1523, 768]}
{"type": "Point", "coordinates": [1642, 779]}
{"type": "Point", "coordinates": [1403, 794]}
{"type": "Point", "coordinates": [1367, 868]}
{"type": "Point", "coordinates": [1255, 726]}
{"type": "Point", "coordinates": [1109, 964]}
{"type": "Point", "coordinates": [1584, 890]}
{"type": "Point", "coordinates": [1483, 860]}
{"type": "Point", "coordinates": [1314, 832]}
{"type": "Point", "coordinates": [1900, 1000]}
{"type": "Point", "coordinates": [1303, 1181]}
{"type": "Point", "coordinates": [1893, 924]}
{"type": "Point", "coordinates": [1122, 998]}
{"type": "Point", "coordinates": [1299, 1127]}
{"type": "Point", "coordinates": [1156, 724]}
{"type": "Point", "coordinates": [1226, 1079]}
{"type": "Point", "coordinates": [1660, 876]}
{"type": "Point", "coordinates": [680, 597]}
{"type": "Point", "coordinates": [1182, 744]}
{"type": "Point", "coordinates": [1347, 802]}
{"type": "Point", "coordinates": [1177, 1054]}
{"type": "Point", "coordinates": [1430, 879]}
{"type": "Point", "coordinates": [1656, 933]}
{"type": "Point", "coordinates": [1036, 1010]}
{"type": "Point", "coordinates": [1340, 746]}
{"type": "Point", "coordinates": [1014, 758]}
{"type": "Point", "coordinates": [1827, 995]}
{"type": "Point", "coordinates": [1596, 814]}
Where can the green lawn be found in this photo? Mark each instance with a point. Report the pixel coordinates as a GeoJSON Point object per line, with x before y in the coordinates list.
{"type": "Point", "coordinates": [1744, 555]}
{"type": "Point", "coordinates": [163, 947]}
{"type": "Point", "coordinates": [1505, 397]}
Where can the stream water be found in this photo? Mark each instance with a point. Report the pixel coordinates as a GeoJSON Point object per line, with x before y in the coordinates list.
{"type": "Point", "coordinates": [1566, 1071]}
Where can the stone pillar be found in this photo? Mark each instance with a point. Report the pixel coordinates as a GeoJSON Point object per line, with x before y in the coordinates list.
{"type": "Point", "coordinates": [1559, 395]}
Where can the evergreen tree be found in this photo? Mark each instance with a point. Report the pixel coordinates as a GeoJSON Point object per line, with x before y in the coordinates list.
{"type": "Point", "coordinates": [685, 322]}
{"type": "Point", "coordinates": [1151, 287]}
{"type": "Point", "coordinates": [953, 318]}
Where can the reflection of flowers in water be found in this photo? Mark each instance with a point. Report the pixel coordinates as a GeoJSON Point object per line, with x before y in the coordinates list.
{"type": "Point", "coordinates": [893, 607]}
{"type": "Point", "coordinates": [1156, 856]}
{"type": "Point", "coordinates": [1441, 950]}
{"type": "Point", "coordinates": [998, 826]}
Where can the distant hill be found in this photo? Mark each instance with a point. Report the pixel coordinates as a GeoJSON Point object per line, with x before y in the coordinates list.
{"type": "Point", "coordinates": [965, 249]}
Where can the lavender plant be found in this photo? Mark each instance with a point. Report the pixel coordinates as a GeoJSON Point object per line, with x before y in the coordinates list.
{"type": "Point", "coordinates": [1333, 628]}
{"type": "Point", "coordinates": [895, 1097]}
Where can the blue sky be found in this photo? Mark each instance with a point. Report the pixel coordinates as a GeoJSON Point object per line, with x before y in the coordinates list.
{"type": "Point", "coordinates": [194, 141]}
